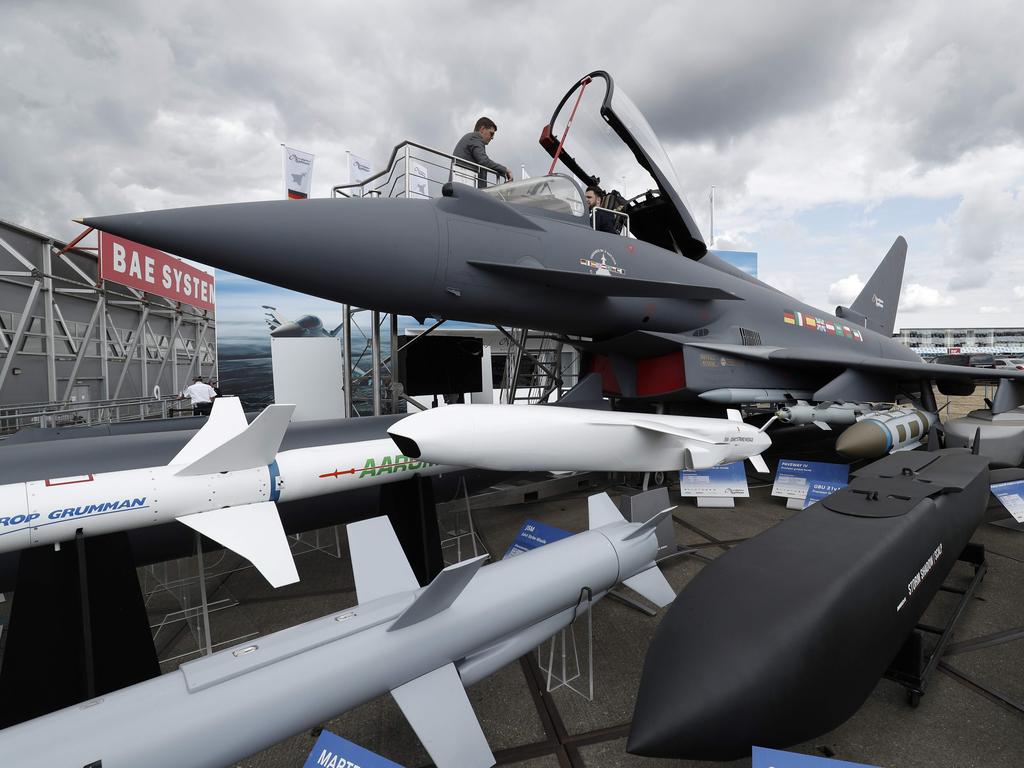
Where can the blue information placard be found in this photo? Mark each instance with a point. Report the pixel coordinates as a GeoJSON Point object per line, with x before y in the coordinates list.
{"type": "Point", "coordinates": [332, 751]}
{"type": "Point", "coordinates": [819, 489]}
{"type": "Point", "coordinates": [774, 758]}
{"type": "Point", "coordinates": [723, 481]}
{"type": "Point", "coordinates": [794, 478]}
{"type": "Point", "coordinates": [1011, 496]}
{"type": "Point", "coordinates": [532, 535]}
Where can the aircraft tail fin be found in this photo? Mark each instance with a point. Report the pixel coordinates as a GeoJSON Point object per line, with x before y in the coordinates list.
{"type": "Point", "coordinates": [878, 301]}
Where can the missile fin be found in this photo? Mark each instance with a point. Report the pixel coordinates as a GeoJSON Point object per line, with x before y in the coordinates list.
{"type": "Point", "coordinates": [379, 565]}
{"type": "Point", "coordinates": [601, 510]}
{"type": "Point", "coordinates": [226, 420]}
{"type": "Point", "coordinates": [734, 415]}
{"type": "Point", "coordinates": [759, 464]}
{"type": "Point", "coordinates": [653, 585]}
{"type": "Point", "coordinates": [439, 711]}
{"type": "Point", "coordinates": [649, 525]}
{"type": "Point", "coordinates": [253, 531]}
{"type": "Point", "coordinates": [256, 446]}
{"type": "Point", "coordinates": [661, 429]}
{"type": "Point", "coordinates": [440, 593]}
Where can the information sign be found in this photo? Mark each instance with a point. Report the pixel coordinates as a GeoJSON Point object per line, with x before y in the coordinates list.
{"type": "Point", "coordinates": [532, 535]}
{"type": "Point", "coordinates": [146, 269]}
{"type": "Point", "coordinates": [332, 751]}
{"type": "Point", "coordinates": [794, 478]}
{"type": "Point", "coordinates": [818, 490]}
{"type": "Point", "coordinates": [724, 481]}
{"type": "Point", "coordinates": [774, 758]}
{"type": "Point", "coordinates": [1011, 496]}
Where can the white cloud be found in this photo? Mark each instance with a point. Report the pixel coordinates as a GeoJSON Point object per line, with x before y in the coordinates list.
{"type": "Point", "coordinates": [917, 297]}
{"type": "Point", "coordinates": [1018, 291]}
{"type": "Point", "coordinates": [990, 310]}
{"type": "Point", "coordinates": [844, 291]}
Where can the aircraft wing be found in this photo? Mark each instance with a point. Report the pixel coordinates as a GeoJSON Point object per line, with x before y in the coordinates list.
{"type": "Point", "coordinates": [901, 369]}
{"type": "Point", "coordinates": [605, 285]}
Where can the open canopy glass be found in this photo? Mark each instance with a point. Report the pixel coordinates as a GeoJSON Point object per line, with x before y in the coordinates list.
{"type": "Point", "coordinates": [602, 138]}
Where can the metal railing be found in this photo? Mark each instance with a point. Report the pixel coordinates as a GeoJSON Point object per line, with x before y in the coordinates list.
{"type": "Point", "coordinates": [63, 414]}
{"type": "Point", "coordinates": [418, 172]}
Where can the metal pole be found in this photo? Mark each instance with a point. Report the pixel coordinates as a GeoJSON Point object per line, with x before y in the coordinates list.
{"type": "Point", "coordinates": [51, 336]}
{"type": "Point", "coordinates": [346, 325]}
{"type": "Point", "coordinates": [104, 348]}
{"type": "Point", "coordinates": [394, 361]}
{"type": "Point", "coordinates": [202, 594]}
{"type": "Point", "coordinates": [712, 214]}
{"type": "Point", "coordinates": [375, 351]}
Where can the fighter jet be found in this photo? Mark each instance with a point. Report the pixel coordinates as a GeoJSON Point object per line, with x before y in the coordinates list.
{"type": "Point", "coordinates": [657, 315]}
{"type": "Point", "coordinates": [303, 327]}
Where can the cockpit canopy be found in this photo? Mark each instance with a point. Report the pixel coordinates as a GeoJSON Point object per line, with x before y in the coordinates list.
{"type": "Point", "coordinates": [556, 193]}
{"type": "Point", "coordinates": [603, 139]}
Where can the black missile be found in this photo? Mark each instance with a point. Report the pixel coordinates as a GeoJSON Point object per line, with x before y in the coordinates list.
{"type": "Point", "coordinates": [782, 638]}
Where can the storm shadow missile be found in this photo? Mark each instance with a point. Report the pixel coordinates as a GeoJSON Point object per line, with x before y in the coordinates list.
{"type": "Point", "coordinates": [224, 483]}
{"type": "Point", "coordinates": [881, 432]}
{"type": "Point", "coordinates": [537, 437]}
{"type": "Point", "coordinates": [422, 645]}
{"type": "Point", "coordinates": [784, 636]}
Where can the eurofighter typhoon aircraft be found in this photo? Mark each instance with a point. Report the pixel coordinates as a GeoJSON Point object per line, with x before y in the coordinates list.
{"type": "Point", "coordinates": [657, 314]}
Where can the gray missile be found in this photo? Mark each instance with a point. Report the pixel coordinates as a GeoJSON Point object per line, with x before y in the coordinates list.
{"type": "Point", "coordinates": [422, 645]}
{"type": "Point", "coordinates": [734, 396]}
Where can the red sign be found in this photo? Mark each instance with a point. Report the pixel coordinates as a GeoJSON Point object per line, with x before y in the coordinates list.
{"type": "Point", "coordinates": [954, 350]}
{"type": "Point", "coordinates": [147, 269]}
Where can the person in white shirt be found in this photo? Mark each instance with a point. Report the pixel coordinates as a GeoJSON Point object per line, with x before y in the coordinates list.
{"type": "Point", "coordinates": [201, 394]}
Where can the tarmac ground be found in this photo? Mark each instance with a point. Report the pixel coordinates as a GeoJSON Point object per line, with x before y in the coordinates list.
{"type": "Point", "coordinates": [972, 712]}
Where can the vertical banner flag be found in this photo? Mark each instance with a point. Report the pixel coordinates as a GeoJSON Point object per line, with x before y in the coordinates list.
{"type": "Point", "coordinates": [419, 182]}
{"type": "Point", "coordinates": [298, 173]}
{"type": "Point", "coordinates": [359, 170]}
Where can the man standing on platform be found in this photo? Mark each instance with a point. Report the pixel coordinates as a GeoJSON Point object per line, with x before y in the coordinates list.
{"type": "Point", "coordinates": [473, 147]}
{"type": "Point", "coordinates": [202, 395]}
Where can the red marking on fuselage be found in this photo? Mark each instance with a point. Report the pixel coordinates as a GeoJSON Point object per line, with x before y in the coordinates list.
{"type": "Point", "coordinates": [339, 472]}
{"type": "Point", "coordinates": [67, 481]}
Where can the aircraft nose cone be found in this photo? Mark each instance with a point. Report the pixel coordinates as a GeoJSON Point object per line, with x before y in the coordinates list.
{"type": "Point", "coordinates": [372, 253]}
{"type": "Point", "coordinates": [863, 440]}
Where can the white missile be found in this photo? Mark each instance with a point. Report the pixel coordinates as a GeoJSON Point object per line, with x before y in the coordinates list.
{"type": "Point", "coordinates": [224, 483]}
{"type": "Point", "coordinates": [535, 437]}
{"type": "Point", "coordinates": [422, 645]}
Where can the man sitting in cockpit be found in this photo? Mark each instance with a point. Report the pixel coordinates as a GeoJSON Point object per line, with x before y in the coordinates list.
{"type": "Point", "coordinates": [601, 219]}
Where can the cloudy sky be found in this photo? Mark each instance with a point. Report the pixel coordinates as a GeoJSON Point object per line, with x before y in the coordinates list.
{"type": "Point", "coordinates": [827, 128]}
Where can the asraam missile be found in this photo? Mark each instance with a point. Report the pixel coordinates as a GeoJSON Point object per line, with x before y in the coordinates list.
{"type": "Point", "coordinates": [537, 437]}
{"type": "Point", "coordinates": [900, 429]}
{"type": "Point", "coordinates": [422, 645]}
{"type": "Point", "coordinates": [783, 637]}
{"type": "Point", "coordinates": [225, 483]}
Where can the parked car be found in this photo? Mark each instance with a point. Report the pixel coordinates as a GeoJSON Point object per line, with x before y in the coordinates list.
{"type": "Point", "coordinates": [1010, 362]}
{"type": "Point", "coordinates": [973, 360]}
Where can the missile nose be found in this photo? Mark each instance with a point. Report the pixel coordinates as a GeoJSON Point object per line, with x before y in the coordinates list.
{"type": "Point", "coordinates": [863, 440]}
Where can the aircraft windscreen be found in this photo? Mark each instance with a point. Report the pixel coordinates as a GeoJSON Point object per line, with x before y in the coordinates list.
{"type": "Point", "coordinates": [637, 124]}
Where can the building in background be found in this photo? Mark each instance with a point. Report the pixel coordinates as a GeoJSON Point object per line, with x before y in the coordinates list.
{"type": "Point", "coordinates": [929, 342]}
{"type": "Point", "coordinates": [75, 349]}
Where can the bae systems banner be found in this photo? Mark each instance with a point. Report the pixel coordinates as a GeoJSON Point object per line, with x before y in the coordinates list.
{"type": "Point", "coordinates": [146, 269]}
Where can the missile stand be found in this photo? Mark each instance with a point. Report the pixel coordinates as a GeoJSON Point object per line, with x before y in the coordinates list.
{"type": "Point", "coordinates": [913, 666]}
